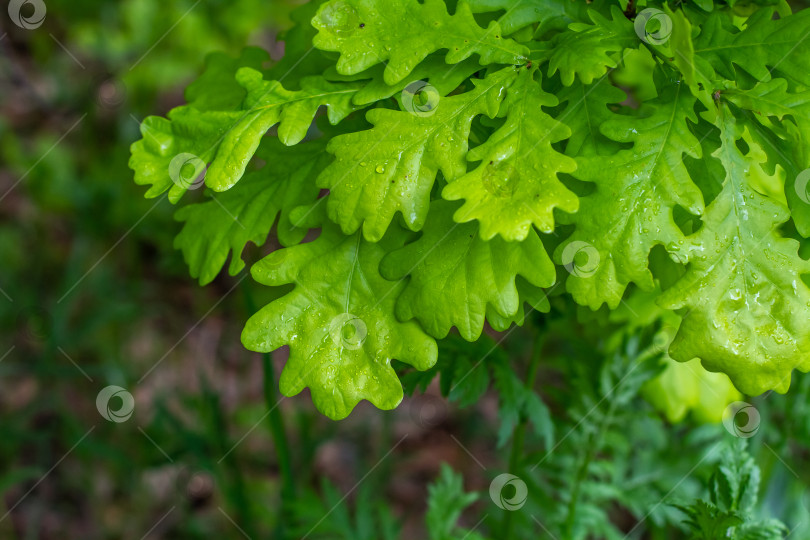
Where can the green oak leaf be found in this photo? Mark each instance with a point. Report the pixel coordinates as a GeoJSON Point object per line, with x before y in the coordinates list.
{"type": "Point", "coordinates": [790, 148]}
{"type": "Point", "coordinates": [535, 297]}
{"type": "Point", "coordinates": [338, 321]}
{"type": "Point", "coordinates": [696, 71]}
{"type": "Point", "coordinates": [196, 128]}
{"type": "Point", "coordinates": [764, 47]}
{"type": "Point", "coordinates": [679, 165]}
{"type": "Point", "coordinates": [794, 157]}
{"type": "Point", "coordinates": [434, 70]}
{"type": "Point", "coordinates": [516, 184]}
{"type": "Point", "coordinates": [707, 173]}
{"type": "Point", "coordinates": [586, 109]}
{"type": "Point", "coordinates": [267, 104]}
{"type": "Point", "coordinates": [455, 276]}
{"type": "Point", "coordinates": [747, 304]}
{"type": "Point", "coordinates": [391, 168]}
{"type": "Point", "coordinates": [402, 33]}
{"type": "Point", "coordinates": [772, 98]}
{"type": "Point", "coordinates": [630, 212]}
{"type": "Point", "coordinates": [550, 14]}
{"type": "Point", "coordinates": [228, 221]}
{"type": "Point", "coordinates": [227, 138]}
{"type": "Point", "coordinates": [584, 50]}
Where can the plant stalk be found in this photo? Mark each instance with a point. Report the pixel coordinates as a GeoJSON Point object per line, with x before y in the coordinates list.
{"type": "Point", "coordinates": [276, 423]}
{"type": "Point", "coordinates": [519, 434]}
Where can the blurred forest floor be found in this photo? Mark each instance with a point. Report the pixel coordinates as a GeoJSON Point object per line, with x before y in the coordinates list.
{"type": "Point", "coordinates": [92, 293]}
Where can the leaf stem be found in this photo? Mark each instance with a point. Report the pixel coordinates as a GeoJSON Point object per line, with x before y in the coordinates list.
{"type": "Point", "coordinates": [519, 434]}
{"type": "Point", "coordinates": [594, 444]}
{"type": "Point", "coordinates": [581, 475]}
{"type": "Point", "coordinates": [271, 396]}
{"type": "Point", "coordinates": [276, 421]}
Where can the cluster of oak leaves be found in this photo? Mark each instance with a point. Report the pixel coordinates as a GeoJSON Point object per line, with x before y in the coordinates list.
{"type": "Point", "coordinates": [472, 145]}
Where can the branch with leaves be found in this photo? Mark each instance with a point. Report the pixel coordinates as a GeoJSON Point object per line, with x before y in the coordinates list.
{"type": "Point", "coordinates": [462, 151]}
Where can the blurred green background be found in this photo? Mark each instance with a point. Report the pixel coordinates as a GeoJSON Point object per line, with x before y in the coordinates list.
{"type": "Point", "coordinates": [92, 294]}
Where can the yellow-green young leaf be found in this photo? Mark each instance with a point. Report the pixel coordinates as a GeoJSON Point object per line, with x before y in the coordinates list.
{"type": "Point", "coordinates": [187, 135]}
{"type": "Point", "coordinates": [391, 168]}
{"type": "Point", "coordinates": [227, 138]}
{"type": "Point", "coordinates": [535, 297]}
{"type": "Point", "coordinates": [442, 79]}
{"type": "Point", "coordinates": [267, 104]}
{"type": "Point", "coordinates": [338, 321]}
{"type": "Point", "coordinates": [765, 47]}
{"type": "Point", "coordinates": [195, 129]}
{"type": "Point", "coordinates": [630, 211]}
{"type": "Point", "coordinates": [586, 109]}
{"type": "Point", "coordinates": [680, 388]}
{"type": "Point", "coordinates": [686, 387]}
{"type": "Point", "coordinates": [401, 33]}
{"type": "Point", "coordinates": [516, 184]}
{"type": "Point", "coordinates": [772, 98]}
{"type": "Point", "coordinates": [634, 206]}
{"type": "Point", "coordinates": [585, 50]}
{"type": "Point", "coordinates": [455, 276]}
{"type": "Point", "coordinates": [696, 71]}
{"type": "Point", "coordinates": [246, 213]}
{"type": "Point", "coordinates": [790, 148]}
{"type": "Point", "coordinates": [748, 309]}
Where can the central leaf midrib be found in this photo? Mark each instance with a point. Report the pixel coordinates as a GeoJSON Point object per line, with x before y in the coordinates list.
{"type": "Point", "coordinates": [620, 222]}
{"type": "Point", "coordinates": [304, 98]}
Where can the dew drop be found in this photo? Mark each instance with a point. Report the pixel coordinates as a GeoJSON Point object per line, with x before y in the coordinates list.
{"type": "Point", "coordinates": [735, 294]}
{"type": "Point", "coordinates": [500, 179]}
{"type": "Point", "coordinates": [340, 18]}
